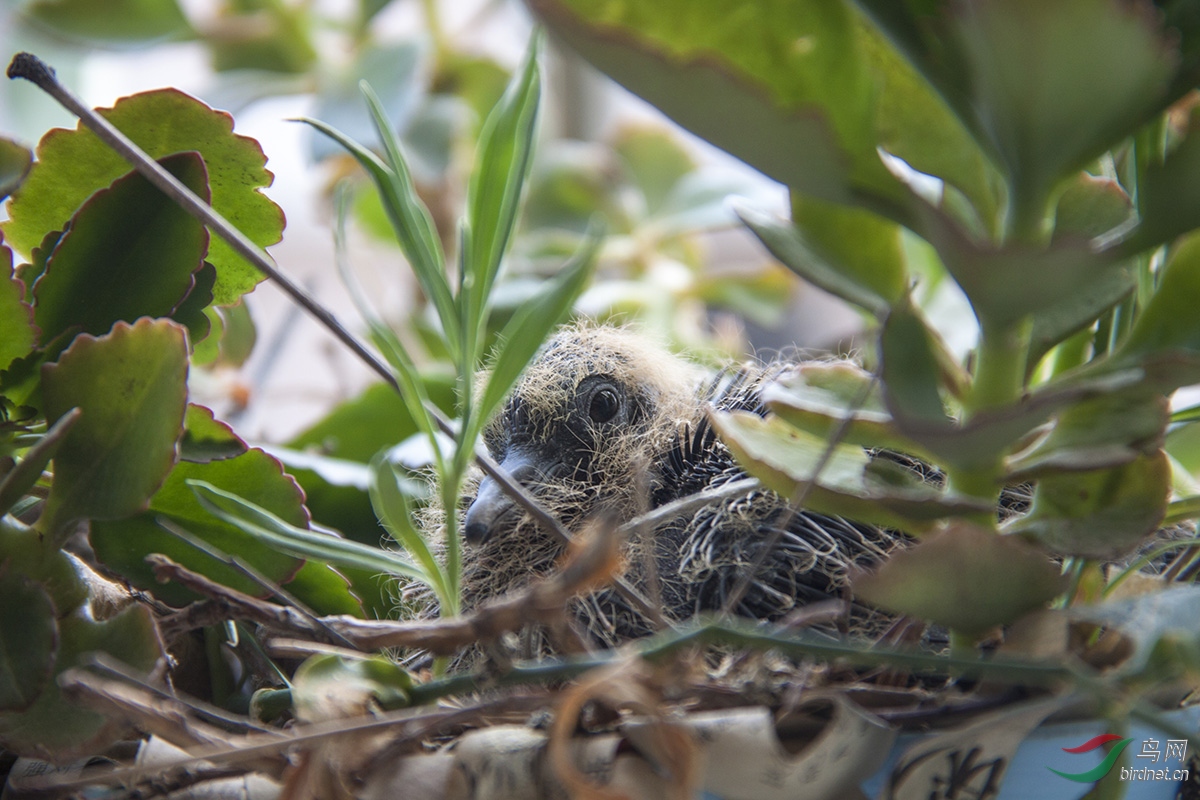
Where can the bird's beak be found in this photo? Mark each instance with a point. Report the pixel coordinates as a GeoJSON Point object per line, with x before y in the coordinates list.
{"type": "Point", "coordinates": [491, 503]}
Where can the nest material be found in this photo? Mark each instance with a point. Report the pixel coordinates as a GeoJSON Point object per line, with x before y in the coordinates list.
{"type": "Point", "coordinates": [663, 449]}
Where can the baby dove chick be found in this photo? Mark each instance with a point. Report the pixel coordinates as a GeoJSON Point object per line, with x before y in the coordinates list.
{"type": "Point", "coordinates": [605, 421]}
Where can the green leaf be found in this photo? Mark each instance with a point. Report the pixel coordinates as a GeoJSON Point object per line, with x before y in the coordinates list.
{"type": "Point", "coordinates": [270, 529]}
{"type": "Point", "coordinates": [1105, 431]}
{"type": "Point", "coordinates": [784, 459]}
{"type": "Point", "coordinates": [328, 687]}
{"type": "Point", "coordinates": [123, 544]}
{"type": "Point", "coordinates": [266, 37]}
{"type": "Point", "coordinates": [111, 21]}
{"type": "Point", "coordinates": [524, 333]}
{"type": "Point", "coordinates": [359, 428]}
{"type": "Point", "coordinates": [1007, 283]}
{"type": "Point", "coordinates": [411, 220]}
{"type": "Point", "coordinates": [28, 641]}
{"type": "Point", "coordinates": [1046, 86]}
{"type": "Point", "coordinates": [24, 552]}
{"type": "Point", "coordinates": [819, 397]}
{"type": "Point", "coordinates": [1167, 195]}
{"type": "Point", "coordinates": [207, 439]}
{"type": "Point", "coordinates": [785, 87]}
{"type": "Point", "coordinates": [913, 123]}
{"type": "Point", "coordinates": [322, 589]}
{"type": "Point", "coordinates": [502, 161]}
{"type": "Point", "coordinates": [396, 514]}
{"type": "Point", "coordinates": [72, 164]}
{"type": "Point", "coordinates": [1077, 309]}
{"type": "Point", "coordinates": [871, 291]}
{"type": "Point", "coordinates": [191, 311]}
{"type": "Point", "coordinates": [15, 161]}
{"type": "Point", "coordinates": [128, 252]}
{"type": "Point", "coordinates": [17, 332]}
{"type": "Point", "coordinates": [952, 579]}
{"type": "Point", "coordinates": [860, 245]}
{"type": "Point", "coordinates": [1090, 206]}
{"type": "Point", "coordinates": [131, 386]}
{"type": "Point", "coordinates": [129, 637]}
{"type": "Point", "coordinates": [655, 161]}
{"type": "Point", "coordinates": [910, 372]}
{"type": "Point", "coordinates": [21, 478]}
{"type": "Point", "coordinates": [1101, 513]}
{"type": "Point", "coordinates": [394, 71]}
{"type": "Point", "coordinates": [1168, 324]}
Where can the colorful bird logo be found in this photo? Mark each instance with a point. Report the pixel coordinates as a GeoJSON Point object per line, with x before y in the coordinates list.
{"type": "Point", "coordinates": [1100, 770]}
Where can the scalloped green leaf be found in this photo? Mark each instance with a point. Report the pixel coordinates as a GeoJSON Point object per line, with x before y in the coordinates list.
{"type": "Point", "coordinates": [785, 460]}
{"type": "Point", "coordinates": [821, 398]}
{"type": "Point", "coordinates": [123, 544]}
{"type": "Point", "coordinates": [1006, 283]}
{"type": "Point", "coordinates": [1100, 513]}
{"type": "Point", "coordinates": [28, 640]}
{"type": "Point", "coordinates": [1104, 431]}
{"type": "Point", "coordinates": [327, 592]}
{"type": "Point", "coordinates": [110, 21]}
{"type": "Point", "coordinates": [17, 332]}
{"type": "Point", "coordinates": [131, 386]}
{"type": "Point", "coordinates": [206, 438]}
{"type": "Point", "coordinates": [72, 164]}
{"type": "Point", "coordinates": [127, 253]}
{"type": "Point", "coordinates": [15, 161]}
{"type": "Point", "coordinates": [130, 637]}
{"type": "Point", "coordinates": [190, 312]}
{"type": "Point", "coordinates": [22, 477]}
{"type": "Point", "coordinates": [785, 86]}
{"type": "Point", "coordinates": [952, 579]}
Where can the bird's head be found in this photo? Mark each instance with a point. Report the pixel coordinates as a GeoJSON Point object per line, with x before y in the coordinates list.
{"type": "Point", "coordinates": [581, 427]}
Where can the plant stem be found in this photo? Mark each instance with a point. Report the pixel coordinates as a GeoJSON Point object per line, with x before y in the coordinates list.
{"type": "Point", "coordinates": [999, 379]}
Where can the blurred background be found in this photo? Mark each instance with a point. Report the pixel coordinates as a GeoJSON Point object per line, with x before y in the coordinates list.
{"type": "Point", "coordinates": [674, 260]}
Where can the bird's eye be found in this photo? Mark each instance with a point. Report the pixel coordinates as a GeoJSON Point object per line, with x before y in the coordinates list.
{"type": "Point", "coordinates": [604, 407]}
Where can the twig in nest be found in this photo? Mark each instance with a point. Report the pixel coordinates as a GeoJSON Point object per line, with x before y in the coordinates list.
{"type": "Point", "coordinates": [592, 566]}
{"type": "Point", "coordinates": [624, 685]}
{"type": "Point", "coordinates": [161, 716]}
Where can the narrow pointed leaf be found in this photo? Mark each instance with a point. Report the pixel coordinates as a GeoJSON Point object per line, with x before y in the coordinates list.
{"type": "Point", "coordinates": [278, 533]}
{"type": "Point", "coordinates": [501, 165]}
{"type": "Point", "coordinates": [411, 220]}
{"type": "Point", "coordinates": [525, 331]}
